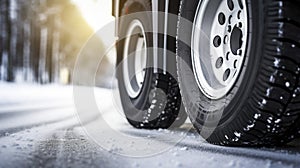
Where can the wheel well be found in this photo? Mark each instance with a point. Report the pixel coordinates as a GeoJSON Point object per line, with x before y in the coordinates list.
{"type": "Point", "coordinates": [121, 5]}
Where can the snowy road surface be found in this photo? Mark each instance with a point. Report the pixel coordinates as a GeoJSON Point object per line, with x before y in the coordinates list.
{"type": "Point", "coordinates": [40, 127]}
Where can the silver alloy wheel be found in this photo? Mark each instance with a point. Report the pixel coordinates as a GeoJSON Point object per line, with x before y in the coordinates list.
{"type": "Point", "coordinates": [218, 45]}
{"type": "Point", "coordinates": [135, 58]}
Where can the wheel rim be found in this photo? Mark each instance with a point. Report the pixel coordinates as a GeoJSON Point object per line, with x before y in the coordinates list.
{"type": "Point", "coordinates": [219, 45]}
{"type": "Point", "coordinates": [135, 58]}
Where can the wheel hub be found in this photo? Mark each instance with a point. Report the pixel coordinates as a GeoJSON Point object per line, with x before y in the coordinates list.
{"type": "Point", "coordinates": [219, 45]}
{"type": "Point", "coordinates": [135, 58]}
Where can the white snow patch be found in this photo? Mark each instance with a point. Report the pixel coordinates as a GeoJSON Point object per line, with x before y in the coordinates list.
{"type": "Point", "coordinates": [276, 62]}
{"type": "Point", "coordinates": [250, 126]}
{"type": "Point", "coordinates": [183, 148]}
{"type": "Point", "coordinates": [256, 116]}
{"type": "Point", "coordinates": [272, 79]}
{"type": "Point", "coordinates": [268, 92]}
{"type": "Point", "coordinates": [269, 120]}
{"type": "Point", "coordinates": [287, 84]}
{"type": "Point", "coordinates": [278, 121]}
{"type": "Point", "coordinates": [238, 134]}
{"type": "Point", "coordinates": [263, 102]}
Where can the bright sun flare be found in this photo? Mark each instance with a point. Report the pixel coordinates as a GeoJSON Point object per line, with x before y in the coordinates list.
{"type": "Point", "coordinates": [96, 12]}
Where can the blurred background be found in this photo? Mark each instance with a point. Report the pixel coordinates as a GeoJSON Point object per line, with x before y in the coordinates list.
{"type": "Point", "coordinates": [40, 40]}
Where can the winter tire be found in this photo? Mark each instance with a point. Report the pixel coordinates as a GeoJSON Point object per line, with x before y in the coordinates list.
{"type": "Point", "coordinates": [150, 100]}
{"type": "Point", "coordinates": [238, 67]}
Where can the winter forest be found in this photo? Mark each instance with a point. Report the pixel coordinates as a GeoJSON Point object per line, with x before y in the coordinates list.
{"type": "Point", "coordinates": [39, 40]}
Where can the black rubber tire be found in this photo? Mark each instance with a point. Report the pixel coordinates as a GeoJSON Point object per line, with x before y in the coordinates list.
{"type": "Point", "coordinates": [158, 104]}
{"type": "Point", "coordinates": [263, 108]}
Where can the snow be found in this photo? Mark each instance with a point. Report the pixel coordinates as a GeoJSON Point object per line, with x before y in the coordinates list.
{"type": "Point", "coordinates": [250, 126]}
{"type": "Point", "coordinates": [256, 116]}
{"type": "Point", "coordinates": [263, 102]}
{"type": "Point", "coordinates": [276, 62]}
{"type": "Point", "coordinates": [237, 134]}
{"type": "Point", "coordinates": [272, 79]}
{"type": "Point", "coordinates": [278, 121]}
{"type": "Point", "coordinates": [41, 126]}
{"type": "Point", "coordinates": [287, 84]}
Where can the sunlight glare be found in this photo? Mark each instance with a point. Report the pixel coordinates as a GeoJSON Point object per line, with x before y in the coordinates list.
{"type": "Point", "coordinates": [96, 12]}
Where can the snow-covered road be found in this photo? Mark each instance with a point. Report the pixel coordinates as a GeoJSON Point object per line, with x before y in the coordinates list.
{"type": "Point", "coordinates": [41, 126]}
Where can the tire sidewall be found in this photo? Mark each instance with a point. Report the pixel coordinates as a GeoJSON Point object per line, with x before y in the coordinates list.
{"type": "Point", "coordinates": [213, 121]}
{"type": "Point", "coordinates": [133, 107]}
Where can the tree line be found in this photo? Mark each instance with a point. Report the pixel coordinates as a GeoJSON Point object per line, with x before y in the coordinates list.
{"type": "Point", "coordinates": [39, 38]}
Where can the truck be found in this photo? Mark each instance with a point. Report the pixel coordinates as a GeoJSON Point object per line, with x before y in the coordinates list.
{"type": "Point", "coordinates": [231, 66]}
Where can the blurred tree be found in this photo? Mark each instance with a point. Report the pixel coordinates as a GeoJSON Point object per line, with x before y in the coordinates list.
{"type": "Point", "coordinates": [4, 39]}
{"type": "Point", "coordinates": [40, 37]}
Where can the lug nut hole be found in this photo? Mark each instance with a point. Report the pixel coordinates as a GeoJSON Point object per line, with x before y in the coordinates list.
{"type": "Point", "coordinates": [239, 14]}
{"type": "Point", "coordinates": [230, 4]}
{"type": "Point", "coordinates": [240, 25]}
{"type": "Point", "coordinates": [219, 62]}
{"type": "Point", "coordinates": [229, 29]}
{"type": "Point", "coordinates": [226, 75]}
{"type": "Point", "coordinates": [240, 4]}
{"type": "Point", "coordinates": [235, 64]}
{"type": "Point", "coordinates": [227, 56]}
{"type": "Point", "coordinates": [217, 41]}
{"type": "Point", "coordinates": [221, 18]}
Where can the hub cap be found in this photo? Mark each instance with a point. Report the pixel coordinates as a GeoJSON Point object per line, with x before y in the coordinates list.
{"type": "Point", "coordinates": [135, 58]}
{"type": "Point", "coordinates": [218, 45]}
